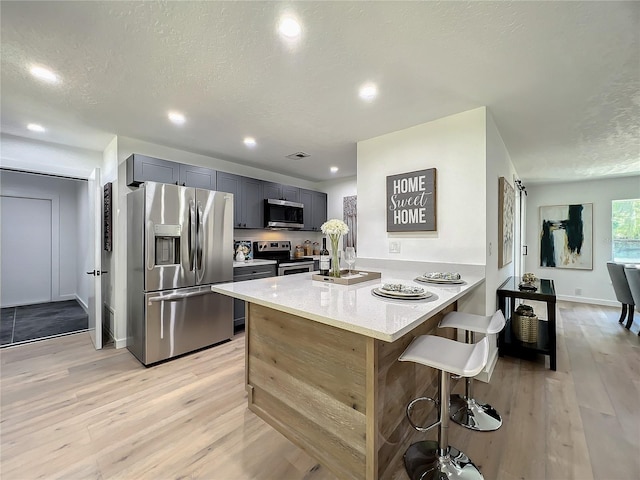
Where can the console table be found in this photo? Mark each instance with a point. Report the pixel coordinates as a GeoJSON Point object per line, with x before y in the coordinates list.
{"type": "Point", "coordinates": [508, 344]}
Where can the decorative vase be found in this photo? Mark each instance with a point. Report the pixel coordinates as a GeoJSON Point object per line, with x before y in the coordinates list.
{"type": "Point", "coordinates": [335, 260]}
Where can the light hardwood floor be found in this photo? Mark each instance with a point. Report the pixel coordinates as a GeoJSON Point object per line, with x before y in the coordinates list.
{"type": "Point", "coordinates": [70, 412]}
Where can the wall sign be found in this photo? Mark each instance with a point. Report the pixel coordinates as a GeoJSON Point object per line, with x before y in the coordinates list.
{"type": "Point", "coordinates": [411, 201]}
{"type": "Point", "coordinates": [107, 219]}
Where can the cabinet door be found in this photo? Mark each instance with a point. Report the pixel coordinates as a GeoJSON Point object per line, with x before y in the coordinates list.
{"type": "Point", "coordinates": [228, 182]}
{"type": "Point", "coordinates": [319, 209]}
{"type": "Point", "coordinates": [272, 190]}
{"type": "Point", "coordinates": [252, 203]}
{"type": "Point", "coordinates": [198, 177]}
{"type": "Point", "coordinates": [238, 313]}
{"type": "Point", "coordinates": [290, 193]}
{"type": "Point", "coordinates": [306, 198]}
{"type": "Point", "coordinates": [141, 168]}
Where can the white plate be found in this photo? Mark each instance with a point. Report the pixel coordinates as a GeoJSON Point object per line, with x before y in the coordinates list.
{"type": "Point", "coordinates": [386, 294]}
{"type": "Point", "coordinates": [401, 290]}
{"type": "Point", "coordinates": [441, 281]}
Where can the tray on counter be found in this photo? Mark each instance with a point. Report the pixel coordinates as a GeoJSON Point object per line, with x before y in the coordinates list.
{"type": "Point", "coordinates": [357, 276]}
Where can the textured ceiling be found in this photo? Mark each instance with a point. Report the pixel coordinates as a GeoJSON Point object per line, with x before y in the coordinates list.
{"type": "Point", "coordinates": [560, 78]}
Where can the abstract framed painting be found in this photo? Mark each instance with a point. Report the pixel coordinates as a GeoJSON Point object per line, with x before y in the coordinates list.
{"type": "Point", "coordinates": [506, 204]}
{"type": "Point", "coordinates": [566, 236]}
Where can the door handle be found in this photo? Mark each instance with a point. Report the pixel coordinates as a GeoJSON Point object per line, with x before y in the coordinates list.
{"type": "Point", "coordinates": [97, 272]}
{"type": "Point", "coordinates": [178, 296]}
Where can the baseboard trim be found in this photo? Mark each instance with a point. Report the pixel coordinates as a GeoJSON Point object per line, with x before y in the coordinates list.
{"type": "Point", "coordinates": [485, 375]}
{"type": "Point", "coordinates": [120, 343]}
{"type": "Point", "coordinates": [591, 301]}
{"type": "Point", "coordinates": [84, 306]}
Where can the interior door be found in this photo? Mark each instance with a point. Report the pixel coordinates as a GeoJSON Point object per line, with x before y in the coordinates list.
{"type": "Point", "coordinates": [94, 262]}
{"type": "Point", "coordinates": [25, 251]}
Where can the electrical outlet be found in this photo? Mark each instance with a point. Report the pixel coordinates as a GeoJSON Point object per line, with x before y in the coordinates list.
{"type": "Point", "coordinates": [394, 247]}
{"type": "Point", "coordinates": [578, 291]}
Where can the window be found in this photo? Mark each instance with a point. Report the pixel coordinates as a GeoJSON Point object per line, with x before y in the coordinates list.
{"type": "Point", "coordinates": [625, 230]}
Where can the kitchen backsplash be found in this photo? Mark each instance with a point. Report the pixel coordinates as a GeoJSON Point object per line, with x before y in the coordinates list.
{"type": "Point", "coordinates": [294, 236]}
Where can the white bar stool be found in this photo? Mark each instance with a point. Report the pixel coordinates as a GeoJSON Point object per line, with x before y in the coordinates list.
{"type": "Point", "coordinates": [466, 410]}
{"type": "Point", "coordinates": [426, 460]}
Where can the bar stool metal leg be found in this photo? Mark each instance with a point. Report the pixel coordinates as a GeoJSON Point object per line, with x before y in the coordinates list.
{"type": "Point", "coordinates": [429, 460]}
{"type": "Point", "coordinates": [470, 414]}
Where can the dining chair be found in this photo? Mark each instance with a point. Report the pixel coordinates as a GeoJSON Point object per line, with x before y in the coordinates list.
{"type": "Point", "coordinates": [633, 278]}
{"type": "Point", "coordinates": [622, 291]}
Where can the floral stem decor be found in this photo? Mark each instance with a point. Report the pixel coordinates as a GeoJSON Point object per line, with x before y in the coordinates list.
{"type": "Point", "coordinates": [334, 229]}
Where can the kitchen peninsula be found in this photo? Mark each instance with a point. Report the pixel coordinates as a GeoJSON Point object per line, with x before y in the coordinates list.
{"type": "Point", "coordinates": [322, 369]}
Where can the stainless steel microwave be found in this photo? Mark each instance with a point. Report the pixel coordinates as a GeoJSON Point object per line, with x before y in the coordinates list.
{"type": "Point", "coordinates": [283, 214]}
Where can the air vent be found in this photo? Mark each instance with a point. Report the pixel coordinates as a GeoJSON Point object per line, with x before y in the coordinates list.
{"type": "Point", "coordinates": [298, 155]}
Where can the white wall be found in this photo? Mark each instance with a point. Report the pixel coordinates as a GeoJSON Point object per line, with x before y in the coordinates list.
{"type": "Point", "coordinates": [63, 194]}
{"type": "Point", "coordinates": [595, 284]}
{"type": "Point", "coordinates": [25, 154]}
{"type": "Point", "coordinates": [83, 248]}
{"type": "Point", "coordinates": [499, 164]}
{"type": "Point", "coordinates": [455, 145]}
{"type": "Point", "coordinates": [109, 173]}
{"type": "Point", "coordinates": [336, 190]}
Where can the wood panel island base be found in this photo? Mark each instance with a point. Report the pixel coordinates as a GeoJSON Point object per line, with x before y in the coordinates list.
{"type": "Point", "coordinates": [322, 362]}
{"type": "Point", "coordinates": [338, 395]}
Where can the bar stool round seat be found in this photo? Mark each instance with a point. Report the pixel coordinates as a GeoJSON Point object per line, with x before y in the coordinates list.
{"type": "Point", "coordinates": [465, 409]}
{"type": "Point", "coordinates": [429, 460]}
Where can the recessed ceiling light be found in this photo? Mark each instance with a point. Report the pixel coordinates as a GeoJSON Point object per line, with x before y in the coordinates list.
{"type": "Point", "coordinates": [45, 74]}
{"type": "Point", "coordinates": [250, 142]}
{"type": "Point", "coordinates": [34, 127]}
{"type": "Point", "coordinates": [289, 27]}
{"type": "Point", "coordinates": [368, 91]}
{"type": "Point", "coordinates": [177, 118]}
{"type": "Point", "coordinates": [333, 169]}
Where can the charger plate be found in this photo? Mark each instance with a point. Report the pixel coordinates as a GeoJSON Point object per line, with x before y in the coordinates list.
{"type": "Point", "coordinates": [378, 292]}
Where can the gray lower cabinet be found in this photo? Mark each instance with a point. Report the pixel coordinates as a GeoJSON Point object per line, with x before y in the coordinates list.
{"type": "Point", "coordinates": [141, 168]}
{"type": "Point", "coordinates": [315, 209]}
{"type": "Point", "coordinates": [248, 199]}
{"type": "Point", "coordinates": [248, 272]}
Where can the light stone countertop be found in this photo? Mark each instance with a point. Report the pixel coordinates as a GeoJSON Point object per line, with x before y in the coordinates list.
{"type": "Point", "coordinates": [351, 307]}
{"type": "Point", "coordinates": [253, 263]}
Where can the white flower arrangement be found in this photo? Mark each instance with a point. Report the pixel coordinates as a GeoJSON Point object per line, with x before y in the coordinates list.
{"type": "Point", "coordinates": [334, 227]}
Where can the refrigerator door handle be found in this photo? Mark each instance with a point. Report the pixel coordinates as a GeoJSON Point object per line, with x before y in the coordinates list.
{"type": "Point", "coordinates": [178, 296]}
{"type": "Point", "coordinates": [151, 254]}
{"type": "Point", "coordinates": [192, 235]}
{"type": "Point", "coordinates": [200, 242]}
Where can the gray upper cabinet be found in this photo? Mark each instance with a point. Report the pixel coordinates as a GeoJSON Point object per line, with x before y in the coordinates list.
{"type": "Point", "coordinates": [252, 203]}
{"type": "Point", "coordinates": [290, 193]}
{"type": "Point", "coordinates": [272, 190]}
{"type": "Point", "coordinates": [198, 177]}
{"type": "Point", "coordinates": [247, 199]}
{"type": "Point", "coordinates": [315, 209]}
{"type": "Point", "coordinates": [228, 182]}
{"type": "Point", "coordinates": [141, 168]}
{"type": "Point", "coordinates": [281, 192]}
{"type": "Point", "coordinates": [248, 193]}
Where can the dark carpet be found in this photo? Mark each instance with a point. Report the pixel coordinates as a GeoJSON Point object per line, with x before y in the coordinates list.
{"type": "Point", "coordinates": [32, 322]}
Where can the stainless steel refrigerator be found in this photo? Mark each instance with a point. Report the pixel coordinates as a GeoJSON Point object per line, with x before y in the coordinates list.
{"type": "Point", "coordinates": [180, 241]}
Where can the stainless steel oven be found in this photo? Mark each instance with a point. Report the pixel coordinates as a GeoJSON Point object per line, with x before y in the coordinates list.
{"type": "Point", "coordinates": [280, 251]}
{"type": "Point", "coordinates": [286, 268]}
